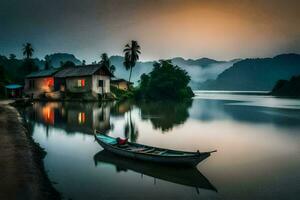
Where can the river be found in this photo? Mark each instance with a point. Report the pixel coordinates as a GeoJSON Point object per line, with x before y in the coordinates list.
{"type": "Point", "coordinates": [257, 138]}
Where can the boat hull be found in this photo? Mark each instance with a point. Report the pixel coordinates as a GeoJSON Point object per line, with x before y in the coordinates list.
{"type": "Point", "coordinates": [167, 160]}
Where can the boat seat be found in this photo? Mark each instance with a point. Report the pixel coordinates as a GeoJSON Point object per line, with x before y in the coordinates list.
{"type": "Point", "coordinates": [149, 150]}
{"type": "Point", "coordinates": [137, 149]}
{"type": "Point", "coordinates": [162, 152]}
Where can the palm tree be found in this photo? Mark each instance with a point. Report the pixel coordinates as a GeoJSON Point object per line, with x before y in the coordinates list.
{"type": "Point", "coordinates": [106, 62]}
{"type": "Point", "coordinates": [28, 50]}
{"type": "Point", "coordinates": [131, 56]}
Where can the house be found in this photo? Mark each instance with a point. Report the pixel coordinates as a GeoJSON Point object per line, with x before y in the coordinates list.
{"type": "Point", "coordinates": [87, 80]}
{"type": "Point", "coordinates": [13, 90]}
{"type": "Point", "coordinates": [121, 84]}
{"type": "Point", "coordinates": [39, 82]}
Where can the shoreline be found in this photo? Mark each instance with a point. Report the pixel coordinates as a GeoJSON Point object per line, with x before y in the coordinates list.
{"type": "Point", "coordinates": [22, 173]}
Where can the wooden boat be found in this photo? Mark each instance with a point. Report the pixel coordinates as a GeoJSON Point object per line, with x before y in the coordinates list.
{"type": "Point", "coordinates": [152, 154]}
{"type": "Point", "coordinates": [187, 176]}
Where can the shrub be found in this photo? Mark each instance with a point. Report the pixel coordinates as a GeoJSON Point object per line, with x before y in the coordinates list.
{"type": "Point", "coordinates": [166, 81]}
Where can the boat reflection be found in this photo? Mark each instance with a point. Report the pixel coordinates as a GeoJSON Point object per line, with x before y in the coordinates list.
{"type": "Point", "coordinates": [179, 175]}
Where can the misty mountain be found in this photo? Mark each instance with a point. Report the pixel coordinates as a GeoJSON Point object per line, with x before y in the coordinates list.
{"type": "Point", "coordinates": [255, 74]}
{"type": "Point", "coordinates": [199, 69]}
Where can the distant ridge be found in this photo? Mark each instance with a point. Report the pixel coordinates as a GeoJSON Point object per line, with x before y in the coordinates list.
{"type": "Point", "coordinates": [199, 69]}
{"type": "Point", "coordinates": [255, 74]}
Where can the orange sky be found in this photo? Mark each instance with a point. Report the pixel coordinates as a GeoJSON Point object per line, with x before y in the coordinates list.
{"type": "Point", "coordinates": [223, 29]}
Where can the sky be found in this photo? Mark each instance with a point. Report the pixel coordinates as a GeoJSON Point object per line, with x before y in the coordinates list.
{"type": "Point", "coordinates": [219, 29]}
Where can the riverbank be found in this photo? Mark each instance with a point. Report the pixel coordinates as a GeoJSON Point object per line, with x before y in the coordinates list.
{"type": "Point", "coordinates": [22, 174]}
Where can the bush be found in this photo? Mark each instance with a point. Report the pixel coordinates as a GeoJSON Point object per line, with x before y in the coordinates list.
{"type": "Point", "coordinates": [122, 94]}
{"type": "Point", "coordinates": [166, 81]}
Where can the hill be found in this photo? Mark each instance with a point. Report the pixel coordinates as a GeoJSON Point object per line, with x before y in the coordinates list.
{"type": "Point", "coordinates": [199, 69]}
{"type": "Point", "coordinates": [255, 74]}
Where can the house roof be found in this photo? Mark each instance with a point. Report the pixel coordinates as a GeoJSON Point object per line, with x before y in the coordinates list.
{"type": "Point", "coordinates": [84, 70]}
{"type": "Point", "coordinates": [120, 80]}
{"type": "Point", "coordinates": [13, 86]}
{"type": "Point", "coordinates": [42, 73]}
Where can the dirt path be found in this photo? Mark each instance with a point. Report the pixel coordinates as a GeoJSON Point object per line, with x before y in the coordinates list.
{"type": "Point", "coordinates": [21, 167]}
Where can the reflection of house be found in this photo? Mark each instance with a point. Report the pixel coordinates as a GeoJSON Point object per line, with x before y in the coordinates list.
{"type": "Point", "coordinates": [39, 82]}
{"type": "Point", "coordinates": [89, 79]}
{"type": "Point", "coordinates": [121, 84]}
{"type": "Point", "coordinates": [13, 90]}
{"type": "Point", "coordinates": [72, 117]}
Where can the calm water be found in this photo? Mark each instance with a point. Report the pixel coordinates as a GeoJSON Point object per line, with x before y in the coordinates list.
{"type": "Point", "coordinates": [257, 138]}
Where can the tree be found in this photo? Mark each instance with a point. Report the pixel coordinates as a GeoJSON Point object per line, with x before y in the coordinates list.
{"type": "Point", "coordinates": [2, 80]}
{"type": "Point", "coordinates": [165, 81]}
{"type": "Point", "coordinates": [83, 62]}
{"type": "Point", "coordinates": [47, 62]}
{"type": "Point", "coordinates": [12, 56]}
{"type": "Point", "coordinates": [67, 64]}
{"type": "Point", "coordinates": [28, 50]}
{"type": "Point", "coordinates": [106, 63]}
{"type": "Point", "coordinates": [131, 56]}
{"type": "Point", "coordinates": [2, 74]}
{"type": "Point", "coordinates": [28, 64]}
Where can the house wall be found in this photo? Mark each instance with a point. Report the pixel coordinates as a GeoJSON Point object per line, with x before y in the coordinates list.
{"type": "Point", "coordinates": [41, 85]}
{"type": "Point", "coordinates": [106, 84]}
{"type": "Point", "coordinates": [72, 84]}
{"type": "Point", "coordinates": [91, 84]}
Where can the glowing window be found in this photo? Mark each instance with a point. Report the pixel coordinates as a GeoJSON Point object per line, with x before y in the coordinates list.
{"type": "Point", "coordinates": [81, 83]}
{"type": "Point", "coordinates": [81, 118]}
{"type": "Point", "coordinates": [50, 82]}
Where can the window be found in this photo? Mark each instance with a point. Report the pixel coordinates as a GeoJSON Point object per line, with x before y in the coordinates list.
{"type": "Point", "coordinates": [31, 84]}
{"type": "Point", "coordinates": [101, 83]}
{"type": "Point", "coordinates": [81, 83]}
{"type": "Point", "coordinates": [81, 118]}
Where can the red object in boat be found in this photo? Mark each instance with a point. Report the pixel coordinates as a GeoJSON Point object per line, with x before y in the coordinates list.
{"type": "Point", "coordinates": [122, 141]}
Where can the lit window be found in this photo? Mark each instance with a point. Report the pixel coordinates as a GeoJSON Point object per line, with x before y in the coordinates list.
{"type": "Point", "coordinates": [81, 83]}
{"type": "Point", "coordinates": [50, 82]}
{"type": "Point", "coordinates": [81, 117]}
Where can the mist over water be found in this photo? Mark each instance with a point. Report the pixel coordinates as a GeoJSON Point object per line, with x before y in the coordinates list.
{"type": "Point", "coordinates": [257, 138]}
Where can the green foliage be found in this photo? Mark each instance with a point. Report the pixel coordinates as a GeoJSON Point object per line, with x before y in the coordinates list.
{"type": "Point", "coordinates": [2, 80]}
{"type": "Point", "coordinates": [122, 94]}
{"type": "Point", "coordinates": [106, 63]}
{"type": "Point", "coordinates": [287, 88]}
{"type": "Point", "coordinates": [29, 66]}
{"type": "Point", "coordinates": [12, 56]}
{"type": "Point", "coordinates": [166, 81]}
{"type": "Point", "coordinates": [47, 62]}
{"type": "Point", "coordinates": [67, 64]}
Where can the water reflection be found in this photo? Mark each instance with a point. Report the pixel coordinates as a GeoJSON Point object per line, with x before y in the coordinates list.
{"type": "Point", "coordinates": [258, 147]}
{"type": "Point", "coordinates": [72, 116]}
{"type": "Point", "coordinates": [217, 110]}
{"type": "Point", "coordinates": [183, 176]}
{"type": "Point", "coordinates": [165, 115]}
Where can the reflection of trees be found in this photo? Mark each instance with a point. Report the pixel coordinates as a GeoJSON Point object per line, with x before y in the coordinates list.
{"type": "Point", "coordinates": [130, 130]}
{"type": "Point", "coordinates": [120, 108]}
{"type": "Point", "coordinates": [165, 115]}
